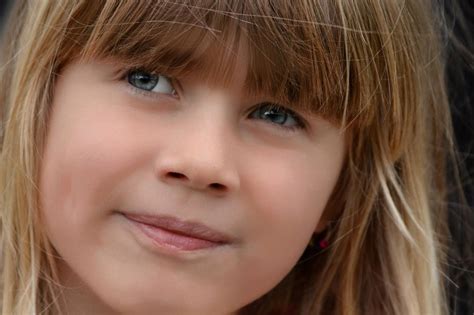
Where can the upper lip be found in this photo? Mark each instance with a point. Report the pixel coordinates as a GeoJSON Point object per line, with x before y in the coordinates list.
{"type": "Point", "coordinates": [183, 227]}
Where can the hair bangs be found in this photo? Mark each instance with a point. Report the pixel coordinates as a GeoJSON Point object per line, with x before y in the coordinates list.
{"type": "Point", "coordinates": [171, 38]}
{"type": "Point", "coordinates": [291, 58]}
{"type": "Point", "coordinates": [297, 61]}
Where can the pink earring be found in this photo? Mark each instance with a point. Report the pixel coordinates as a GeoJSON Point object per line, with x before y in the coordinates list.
{"type": "Point", "coordinates": [323, 244]}
{"type": "Point", "coordinates": [318, 244]}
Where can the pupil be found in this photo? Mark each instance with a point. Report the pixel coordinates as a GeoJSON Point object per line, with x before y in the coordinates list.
{"type": "Point", "coordinates": [143, 80]}
{"type": "Point", "coordinates": [275, 117]}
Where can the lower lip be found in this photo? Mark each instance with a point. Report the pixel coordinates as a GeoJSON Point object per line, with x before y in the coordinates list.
{"type": "Point", "coordinates": [167, 239]}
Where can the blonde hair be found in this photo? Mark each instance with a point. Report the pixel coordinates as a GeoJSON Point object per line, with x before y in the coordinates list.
{"type": "Point", "coordinates": [373, 67]}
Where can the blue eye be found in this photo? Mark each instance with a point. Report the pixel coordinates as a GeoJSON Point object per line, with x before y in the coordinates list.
{"type": "Point", "coordinates": [278, 115]}
{"type": "Point", "coordinates": [155, 83]}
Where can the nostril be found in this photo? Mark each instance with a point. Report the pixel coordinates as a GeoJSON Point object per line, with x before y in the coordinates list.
{"type": "Point", "coordinates": [214, 186]}
{"type": "Point", "coordinates": [217, 186]}
{"type": "Point", "coordinates": [176, 175]}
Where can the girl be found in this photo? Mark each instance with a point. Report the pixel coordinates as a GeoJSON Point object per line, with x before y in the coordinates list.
{"type": "Point", "coordinates": [198, 157]}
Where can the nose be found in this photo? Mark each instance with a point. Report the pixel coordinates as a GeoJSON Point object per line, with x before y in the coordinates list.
{"type": "Point", "coordinates": [199, 156]}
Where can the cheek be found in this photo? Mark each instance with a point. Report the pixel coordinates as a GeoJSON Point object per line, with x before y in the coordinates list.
{"type": "Point", "coordinates": [87, 151]}
{"type": "Point", "coordinates": [93, 140]}
{"type": "Point", "coordinates": [289, 195]}
{"type": "Point", "coordinates": [291, 191]}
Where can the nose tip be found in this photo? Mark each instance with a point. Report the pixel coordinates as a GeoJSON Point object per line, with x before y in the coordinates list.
{"type": "Point", "coordinates": [197, 173]}
{"type": "Point", "coordinates": [202, 153]}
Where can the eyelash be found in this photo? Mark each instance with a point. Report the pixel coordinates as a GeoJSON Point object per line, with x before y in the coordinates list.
{"type": "Point", "coordinates": [271, 108]}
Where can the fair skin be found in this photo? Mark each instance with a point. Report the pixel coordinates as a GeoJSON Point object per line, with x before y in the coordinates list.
{"type": "Point", "coordinates": [201, 155]}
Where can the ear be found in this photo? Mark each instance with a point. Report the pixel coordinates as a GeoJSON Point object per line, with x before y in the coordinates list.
{"type": "Point", "coordinates": [321, 226]}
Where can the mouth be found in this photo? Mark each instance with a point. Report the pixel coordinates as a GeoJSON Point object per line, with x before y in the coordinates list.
{"type": "Point", "coordinates": [174, 233]}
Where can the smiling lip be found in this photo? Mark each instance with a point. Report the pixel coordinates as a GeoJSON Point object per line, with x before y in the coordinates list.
{"type": "Point", "coordinates": [171, 232]}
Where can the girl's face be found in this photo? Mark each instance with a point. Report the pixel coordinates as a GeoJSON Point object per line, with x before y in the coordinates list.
{"type": "Point", "coordinates": [178, 197]}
